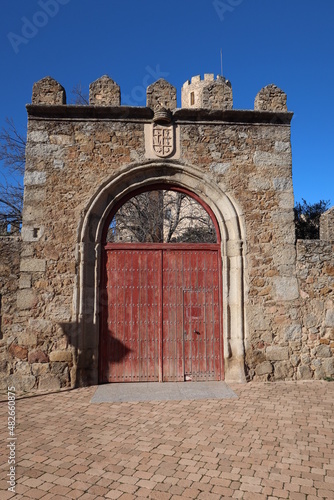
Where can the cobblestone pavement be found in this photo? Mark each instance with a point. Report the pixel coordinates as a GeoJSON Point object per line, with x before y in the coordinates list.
{"type": "Point", "coordinates": [274, 441]}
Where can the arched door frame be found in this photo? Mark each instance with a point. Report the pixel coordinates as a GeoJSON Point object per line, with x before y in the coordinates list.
{"type": "Point", "coordinates": [161, 187]}
{"type": "Point", "coordinates": [162, 336]}
{"type": "Point", "coordinates": [143, 176]}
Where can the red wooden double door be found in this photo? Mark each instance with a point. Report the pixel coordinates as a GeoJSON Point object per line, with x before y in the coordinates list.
{"type": "Point", "coordinates": [161, 317]}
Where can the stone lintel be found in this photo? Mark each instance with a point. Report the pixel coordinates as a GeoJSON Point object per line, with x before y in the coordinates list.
{"type": "Point", "coordinates": [128, 113]}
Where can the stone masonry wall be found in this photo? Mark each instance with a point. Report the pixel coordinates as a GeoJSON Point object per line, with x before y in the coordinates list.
{"type": "Point", "coordinates": [73, 151]}
{"type": "Point", "coordinates": [12, 353]}
{"type": "Point", "coordinates": [67, 161]}
{"type": "Point", "coordinates": [305, 348]}
{"type": "Point", "coordinates": [315, 272]}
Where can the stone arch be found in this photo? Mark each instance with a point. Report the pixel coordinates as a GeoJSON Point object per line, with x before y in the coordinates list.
{"type": "Point", "coordinates": [231, 226]}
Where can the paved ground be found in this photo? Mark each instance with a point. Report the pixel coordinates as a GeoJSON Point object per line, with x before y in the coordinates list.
{"type": "Point", "coordinates": [274, 441]}
{"type": "Point", "coordinates": [155, 391]}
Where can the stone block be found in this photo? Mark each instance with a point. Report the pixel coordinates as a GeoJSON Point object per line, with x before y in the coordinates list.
{"type": "Point", "coordinates": [282, 184]}
{"type": "Point", "coordinates": [286, 200]}
{"type": "Point", "coordinates": [328, 366]}
{"type": "Point", "coordinates": [34, 194]}
{"type": "Point", "coordinates": [18, 352]}
{"type": "Point", "coordinates": [4, 382]}
{"type": "Point", "coordinates": [39, 369]}
{"type": "Point", "coordinates": [37, 356]}
{"type": "Point", "coordinates": [285, 288]}
{"type": "Point", "coordinates": [267, 159]}
{"type": "Point", "coordinates": [26, 299]}
{"type": "Point", "coordinates": [283, 370]}
{"type": "Point", "coordinates": [267, 337]}
{"type": "Point", "coordinates": [38, 136]}
{"type": "Point", "coordinates": [220, 168]}
{"type": "Point", "coordinates": [61, 139]}
{"type": "Point", "coordinates": [304, 372]}
{"type": "Point", "coordinates": [33, 265]}
{"type": "Point", "coordinates": [281, 146]}
{"type": "Point", "coordinates": [3, 366]}
{"type": "Point", "coordinates": [27, 338]}
{"type": "Point", "coordinates": [329, 333]}
{"type": "Point", "coordinates": [58, 164]}
{"type": "Point", "coordinates": [22, 383]}
{"type": "Point", "coordinates": [323, 351]}
{"type": "Point", "coordinates": [49, 383]}
{"type": "Point", "coordinates": [50, 252]}
{"type": "Point", "coordinates": [310, 321]}
{"type": "Point", "coordinates": [25, 281]}
{"type": "Point", "coordinates": [295, 360]}
{"type": "Point", "coordinates": [329, 318]}
{"type": "Point", "coordinates": [305, 359]}
{"type": "Point", "coordinates": [61, 370]}
{"type": "Point", "coordinates": [264, 368]}
{"type": "Point", "coordinates": [36, 231]}
{"type": "Point", "coordinates": [259, 184]}
{"type": "Point", "coordinates": [276, 353]}
{"type": "Point", "coordinates": [22, 367]}
{"type": "Point", "coordinates": [34, 178]}
{"type": "Point", "coordinates": [319, 373]}
{"type": "Point", "coordinates": [31, 215]}
{"type": "Point", "coordinates": [293, 332]}
{"type": "Point", "coordinates": [60, 356]}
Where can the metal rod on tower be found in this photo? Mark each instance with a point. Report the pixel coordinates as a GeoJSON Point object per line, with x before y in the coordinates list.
{"type": "Point", "coordinates": [221, 62]}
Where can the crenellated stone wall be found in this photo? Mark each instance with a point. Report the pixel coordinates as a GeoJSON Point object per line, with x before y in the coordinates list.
{"type": "Point", "coordinates": [104, 92]}
{"type": "Point", "coordinates": [82, 160]}
{"type": "Point", "coordinates": [270, 98]}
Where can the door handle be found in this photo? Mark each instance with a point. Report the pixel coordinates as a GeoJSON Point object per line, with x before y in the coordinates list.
{"type": "Point", "coordinates": [197, 332]}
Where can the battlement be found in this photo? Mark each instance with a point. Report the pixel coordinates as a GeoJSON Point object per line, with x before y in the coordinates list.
{"type": "Point", "coordinates": [208, 77]}
{"type": "Point", "coordinates": [198, 93]}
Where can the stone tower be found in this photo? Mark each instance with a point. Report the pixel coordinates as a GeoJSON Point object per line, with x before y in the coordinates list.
{"type": "Point", "coordinates": [207, 93]}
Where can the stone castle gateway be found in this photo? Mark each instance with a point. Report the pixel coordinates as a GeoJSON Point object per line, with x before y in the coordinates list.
{"type": "Point", "coordinates": [77, 310]}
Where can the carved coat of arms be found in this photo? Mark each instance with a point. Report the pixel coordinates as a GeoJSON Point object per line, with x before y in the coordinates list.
{"type": "Point", "coordinates": [163, 140]}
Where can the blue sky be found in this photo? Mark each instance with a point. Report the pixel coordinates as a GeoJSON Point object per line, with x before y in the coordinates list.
{"type": "Point", "coordinates": [289, 43]}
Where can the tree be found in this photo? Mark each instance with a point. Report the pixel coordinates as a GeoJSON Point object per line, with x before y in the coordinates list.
{"type": "Point", "coordinates": [307, 219]}
{"type": "Point", "coordinates": [162, 216]}
{"type": "Point", "coordinates": [79, 96]}
{"type": "Point", "coordinates": [12, 155]}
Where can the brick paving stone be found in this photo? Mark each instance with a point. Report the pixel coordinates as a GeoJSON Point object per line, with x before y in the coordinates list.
{"type": "Point", "coordinates": [128, 488]}
{"type": "Point", "coordinates": [274, 441]}
{"type": "Point", "coordinates": [114, 494]}
{"type": "Point", "coordinates": [159, 495]}
{"type": "Point", "coordinates": [88, 496]}
{"type": "Point", "coordinates": [146, 483]}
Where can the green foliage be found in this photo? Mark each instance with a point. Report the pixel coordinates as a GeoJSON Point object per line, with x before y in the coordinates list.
{"type": "Point", "coordinates": [307, 219]}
